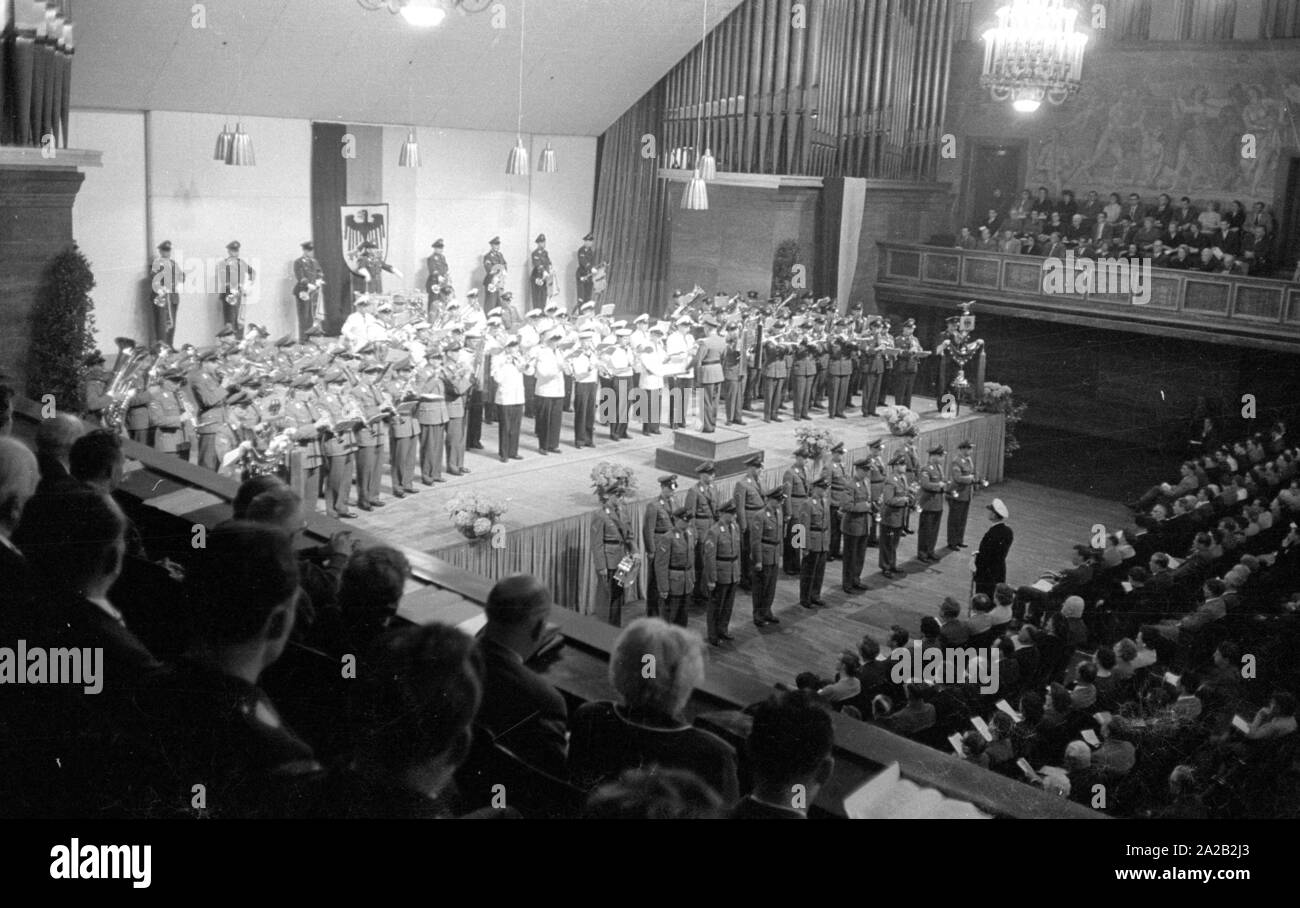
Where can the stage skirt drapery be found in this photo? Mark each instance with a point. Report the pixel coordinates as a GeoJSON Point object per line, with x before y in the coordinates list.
{"type": "Point", "coordinates": [559, 554]}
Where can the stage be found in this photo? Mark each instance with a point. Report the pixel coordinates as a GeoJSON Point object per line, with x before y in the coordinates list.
{"type": "Point", "coordinates": [550, 496]}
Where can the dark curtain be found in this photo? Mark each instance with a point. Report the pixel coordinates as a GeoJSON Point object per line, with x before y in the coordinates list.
{"type": "Point", "coordinates": [329, 188]}
{"type": "Point", "coordinates": [631, 210]}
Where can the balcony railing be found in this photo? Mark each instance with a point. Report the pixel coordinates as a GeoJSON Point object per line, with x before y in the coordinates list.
{"type": "Point", "coordinates": [1221, 308]}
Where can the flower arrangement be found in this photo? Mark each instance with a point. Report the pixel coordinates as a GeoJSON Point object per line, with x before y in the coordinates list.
{"type": "Point", "coordinates": [999, 399]}
{"type": "Point", "coordinates": [816, 442]}
{"type": "Point", "coordinates": [900, 420]}
{"type": "Point", "coordinates": [474, 514]}
{"type": "Point", "coordinates": [610, 479]}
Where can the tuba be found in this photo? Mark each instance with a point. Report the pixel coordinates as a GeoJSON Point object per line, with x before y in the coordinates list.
{"type": "Point", "coordinates": [132, 362]}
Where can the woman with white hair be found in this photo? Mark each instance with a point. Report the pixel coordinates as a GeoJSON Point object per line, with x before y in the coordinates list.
{"type": "Point", "coordinates": [655, 667]}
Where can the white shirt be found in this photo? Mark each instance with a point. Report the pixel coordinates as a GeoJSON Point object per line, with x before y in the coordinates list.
{"type": "Point", "coordinates": [652, 371]}
{"type": "Point", "coordinates": [583, 368]}
{"type": "Point", "coordinates": [680, 349]}
{"type": "Point", "coordinates": [620, 362]}
{"type": "Point", "coordinates": [550, 376]}
{"type": "Point", "coordinates": [528, 336]}
{"type": "Point", "coordinates": [510, 381]}
{"type": "Point", "coordinates": [360, 328]}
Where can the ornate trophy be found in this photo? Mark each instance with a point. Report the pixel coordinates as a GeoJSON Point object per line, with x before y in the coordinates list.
{"type": "Point", "coordinates": [957, 346]}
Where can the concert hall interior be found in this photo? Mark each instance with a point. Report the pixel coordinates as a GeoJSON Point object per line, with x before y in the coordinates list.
{"type": "Point", "coordinates": [912, 384]}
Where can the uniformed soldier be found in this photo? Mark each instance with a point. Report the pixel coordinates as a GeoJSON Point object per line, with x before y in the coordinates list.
{"type": "Point", "coordinates": [905, 368]}
{"type": "Point", "coordinates": [702, 503]}
{"type": "Point", "coordinates": [431, 414]}
{"type": "Point", "coordinates": [962, 483]}
{"type": "Point", "coordinates": [138, 424]}
{"type": "Point", "coordinates": [877, 473]}
{"type": "Point", "coordinates": [369, 437]}
{"type": "Point", "coordinates": [93, 388]}
{"type": "Point", "coordinates": [458, 379]}
{"type": "Point", "coordinates": [657, 521]}
{"type": "Point", "coordinates": [803, 372]}
{"type": "Point", "coordinates": [765, 535]}
{"type": "Point", "coordinates": [540, 262]}
{"type": "Point", "coordinates": [403, 429]}
{"type": "Point", "coordinates": [733, 376]}
{"type": "Point", "coordinates": [368, 274]}
{"type": "Point", "coordinates": [309, 278]}
{"type": "Point", "coordinates": [234, 277]}
{"type": "Point", "coordinates": [854, 520]}
{"type": "Point", "coordinates": [812, 519]}
{"type": "Point", "coordinates": [933, 485]}
{"type": "Point", "coordinates": [895, 499]}
{"type": "Point", "coordinates": [794, 483]}
{"type": "Point", "coordinates": [709, 353]}
{"type": "Point", "coordinates": [722, 547]}
{"type": "Point", "coordinates": [494, 276]}
{"type": "Point", "coordinates": [211, 400]}
{"type": "Point", "coordinates": [586, 264]}
{"type": "Point", "coordinates": [166, 279]}
{"type": "Point", "coordinates": [306, 418]}
{"type": "Point", "coordinates": [437, 279]}
{"type": "Point", "coordinates": [840, 483]}
{"type": "Point", "coordinates": [912, 469]}
{"type": "Point", "coordinates": [774, 376]}
{"type": "Point", "coordinates": [839, 372]}
{"type": "Point", "coordinates": [675, 568]}
{"type": "Point", "coordinates": [581, 364]}
{"type": "Point", "coordinates": [337, 444]}
{"type": "Point", "coordinates": [749, 498]}
{"type": "Point", "coordinates": [871, 363]}
{"type": "Point", "coordinates": [611, 542]}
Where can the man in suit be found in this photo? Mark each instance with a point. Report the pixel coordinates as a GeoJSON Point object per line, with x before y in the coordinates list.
{"type": "Point", "coordinates": [840, 484]}
{"type": "Point", "coordinates": [991, 557]}
{"type": "Point", "coordinates": [749, 499]}
{"type": "Point", "coordinates": [895, 498]}
{"type": "Point", "coordinates": [722, 547]}
{"type": "Point", "coordinates": [524, 713]}
{"type": "Point", "coordinates": [674, 566]}
{"type": "Point", "coordinates": [789, 748]}
{"type": "Point", "coordinates": [812, 520]}
{"type": "Point", "coordinates": [438, 275]}
{"type": "Point", "coordinates": [611, 542]}
{"type": "Point", "coordinates": [308, 278]}
{"type": "Point", "coordinates": [932, 485]}
{"type": "Point", "coordinates": [961, 488]}
{"type": "Point", "coordinates": [657, 521]}
{"type": "Point", "coordinates": [765, 536]}
{"type": "Point", "coordinates": [854, 523]}
{"type": "Point", "coordinates": [166, 279]}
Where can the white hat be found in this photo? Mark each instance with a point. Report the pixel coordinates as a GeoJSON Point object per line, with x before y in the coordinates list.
{"type": "Point", "coordinates": [557, 334]}
{"type": "Point", "coordinates": [643, 317]}
{"type": "Point", "coordinates": [997, 507]}
{"type": "Point", "coordinates": [684, 320]}
{"type": "Point", "coordinates": [618, 324]}
{"type": "Point", "coordinates": [495, 311]}
{"type": "Point", "coordinates": [473, 292]}
{"type": "Point", "coordinates": [588, 306]}
{"type": "Point", "coordinates": [494, 322]}
{"type": "Point", "coordinates": [533, 313]}
{"type": "Point", "coordinates": [623, 332]}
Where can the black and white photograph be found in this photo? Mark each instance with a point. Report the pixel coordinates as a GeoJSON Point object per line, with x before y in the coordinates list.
{"type": "Point", "coordinates": [552, 410]}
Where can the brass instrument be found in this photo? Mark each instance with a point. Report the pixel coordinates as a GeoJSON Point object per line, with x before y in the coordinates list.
{"type": "Point", "coordinates": [128, 368]}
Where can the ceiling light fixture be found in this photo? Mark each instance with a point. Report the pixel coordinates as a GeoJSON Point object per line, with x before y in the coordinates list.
{"type": "Point", "coordinates": [517, 162]}
{"type": "Point", "coordinates": [420, 13]}
{"type": "Point", "coordinates": [695, 197]}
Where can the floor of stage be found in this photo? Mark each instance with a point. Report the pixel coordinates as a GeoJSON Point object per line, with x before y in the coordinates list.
{"type": "Point", "coordinates": [541, 488]}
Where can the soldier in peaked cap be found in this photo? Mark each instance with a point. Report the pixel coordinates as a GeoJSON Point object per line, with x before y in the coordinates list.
{"type": "Point", "coordinates": [765, 538]}
{"type": "Point", "coordinates": [839, 483]}
{"type": "Point", "coordinates": [494, 275]}
{"type": "Point", "coordinates": [657, 521]}
{"type": "Point", "coordinates": [895, 499]}
{"type": "Point", "coordinates": [166, 279]}
{"type": "Point", "coordinates": [702, 503]}
{"type": "Point", "coordinates": [438, 272]}
{"type": "Point", "coordinates": [855, 517]}
{"type": "Point", "coordinates": [722, 546]}
{"type": "Point", "coordinates": [586, 265]}
{"type": "Point", "coordinates": [962, 483]}
{"type": "Point", "coordinates": [675, 567]}
{"type": "Point", "coordinates": [308, 278]}
{"type": "Point", "coordinates": [541, 274]}
{"type": "Point", "coordinates": [933, 483]}
{"type": "Point", "coordinates": [748, 497]}
{"type": "Point", "coordinates": [403, 428]}
{"type": "Point", "coordinates": [234, 278]}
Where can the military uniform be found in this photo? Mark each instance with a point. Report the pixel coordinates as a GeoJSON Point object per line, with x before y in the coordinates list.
{"type": "Point", "coordinates": [733, 382]}
{"type": "Point", "coordinates": [709, 353]}
{"type": "Point", "coordinates": [871, 363]}
{"type": "Point", "coordinates": [962, 480]}
{"type": "Point", "coordinates": [802, 376]}
{"type": "Point", "coordinates": [338, 451]}
{"type": "Point", "coordinates": [302, 412]}
{"type": "Point", "coordinates": [794, 485]}
{"type": "Point", "coordinates": [370, 445]}
{"type": "Point", "coordinates": [894, 501]}
{"type": "Point", "coordinates": [931, 501]}
{"type": "Point", "coordinates": [905, 369]}
{"type": "Point", "coordinates": [840, 484]}
{"type": "Point", "coordinates": [368, 275]}
{"type": "Point", "coordinates": [675, 573]}
{"type": "Point", "coordinates": [168, 415]}
{"type": "Point", "coordinates": [722, 546]}
{"type": "Point", "coordinates": [702, 504]}
{"type": "Point", "coordinates": [308, 278]}
{"type": "Point", "coordinates": [165, 279]}
{"type": "Point", "coordinates": [403, 440]}
{"type": "Point", "coordinates": [138, 425]}
{"type": "Point", "coordinates": [540, 260]}
{"type": "Point", "coordinates": [233, 277]}
{"type": "Point", "coordinates": [748, 496]}
{"type": "Point", "coordinates": [813, 515]}
{"type": "Point", "coordinates": [437, 279]}
{"type": "Point", "coordinates": [611, 541]}
{"type": "Point", "coordinates": [657, 521]}
{"type": "Point", "coordinates": [93, 396]}
{"type": "Point", "coordinates": [492, 297]}
{"type": "Point", "coordinates": [211, 400]}
{"type": "Point", "coordinates": [774, 376]}
{"type": "Point", "coordinates": [854, 518]}
{"type": "Point", "coordinates": [458, 380]}
{"type": "Point", "coordinates": [839, 372]}
{"type": "Point", "coordinates": [765, 534]}
{"type": "Point", "coordinates": [431, 414]}
{"type": "Point", "coordinates": [586, 264]}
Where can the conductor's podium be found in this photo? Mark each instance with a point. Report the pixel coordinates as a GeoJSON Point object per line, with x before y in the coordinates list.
{"type": "Point", "coordinates": [726, 448]}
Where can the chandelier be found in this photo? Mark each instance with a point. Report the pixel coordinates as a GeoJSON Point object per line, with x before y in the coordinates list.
{"type": "Point", "coordinates": [1033, 53]}
{"type": "Point", "coordinates": [420, 13]}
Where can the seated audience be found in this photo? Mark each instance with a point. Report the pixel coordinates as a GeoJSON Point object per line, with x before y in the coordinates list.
{"type": "Point", "coordinates": [789, 754]}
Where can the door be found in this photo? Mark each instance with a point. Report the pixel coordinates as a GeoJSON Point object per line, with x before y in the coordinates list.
{"type": "Point", "coordinates": [993, 168]}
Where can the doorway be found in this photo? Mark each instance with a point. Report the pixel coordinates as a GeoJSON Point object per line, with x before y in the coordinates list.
{"type": "Point", "coordinates": [995, 174]}
{"type": "Point", "coordinates": [1288, 250]}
